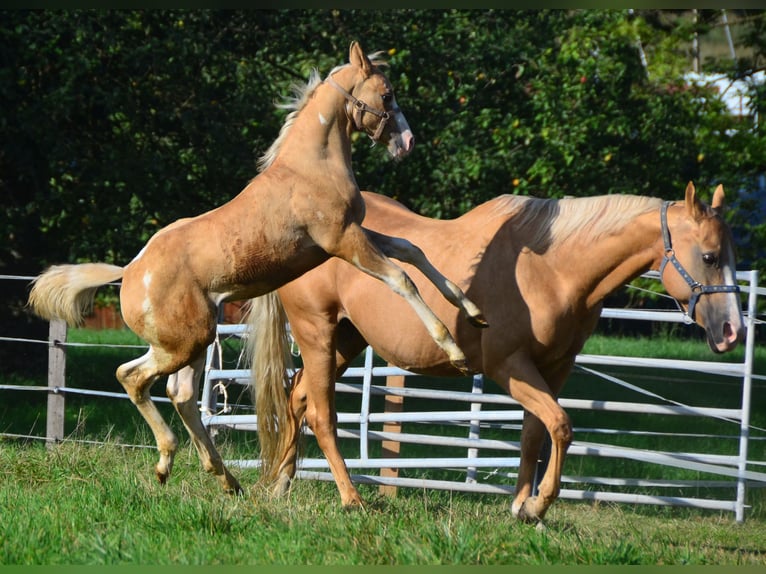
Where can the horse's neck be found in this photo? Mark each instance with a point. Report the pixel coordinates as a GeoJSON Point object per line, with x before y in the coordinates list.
{"type": "Point", "coordinates": [320, 135]}
{"type": "Point", "coordinates": [616, 260]}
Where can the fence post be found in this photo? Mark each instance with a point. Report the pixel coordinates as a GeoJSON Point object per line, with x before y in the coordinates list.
{"type": "Point", "coordinates": [56, 381]}
{"type": "Point", "coordinates": [747, 385]}
{"type": "Point", "coordinates": [477, 387]}
{"type": "Point", "coordinates": [391, 448]}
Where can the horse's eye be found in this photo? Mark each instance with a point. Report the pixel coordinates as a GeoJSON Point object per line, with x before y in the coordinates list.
{"type": "Point", "coordinates": [709, 259]}
{"type": "Point", "coordinates": [387, 97]}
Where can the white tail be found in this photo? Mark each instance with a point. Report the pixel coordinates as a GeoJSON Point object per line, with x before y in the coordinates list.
{"type": "Point", "coordinates": [268, 351]}
{"type": "Point", "coordinates": [67, 291]}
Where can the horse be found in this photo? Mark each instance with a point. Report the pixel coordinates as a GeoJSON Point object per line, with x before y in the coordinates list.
{"type": "Point", "coordinates": [539, 269]}
{"type": "Point", "coordinates": [302, 207]}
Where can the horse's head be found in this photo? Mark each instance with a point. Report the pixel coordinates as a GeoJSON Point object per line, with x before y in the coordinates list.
{"type": "Point", "coordinates": [372, 106]}
{"type": "Point", "coordinates": [702, 271]}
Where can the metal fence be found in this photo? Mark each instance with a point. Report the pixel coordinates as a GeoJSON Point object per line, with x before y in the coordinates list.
{"type": "Point", "coordinates": [477, 411]}
{"type": "Point", "coordinates": [486, 463]}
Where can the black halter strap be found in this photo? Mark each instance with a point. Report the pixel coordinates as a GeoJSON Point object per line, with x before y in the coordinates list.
{"type": "Point", "coordinates": [696, 287]}
{"type": "Point", "coordinates": [359, 107]}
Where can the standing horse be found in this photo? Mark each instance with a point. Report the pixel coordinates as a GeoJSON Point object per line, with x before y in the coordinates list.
{"type": "Point", "coordinates": [303, 207]}
{"type": "Point", "coordinates": [540, 270]}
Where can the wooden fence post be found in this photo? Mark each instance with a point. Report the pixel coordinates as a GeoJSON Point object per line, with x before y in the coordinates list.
{"type": "Point", "coordinates": [391, 448]}
{"type": "Point", "coordinates": [56, 381]}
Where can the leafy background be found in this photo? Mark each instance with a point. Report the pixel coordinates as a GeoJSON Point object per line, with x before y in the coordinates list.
{"type": "Point", "coordinates": [115, 123]}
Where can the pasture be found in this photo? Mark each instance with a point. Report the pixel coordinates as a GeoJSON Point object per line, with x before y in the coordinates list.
{"type": "Point", "coordinates": [83, 504]}
{"type": "Point", "coordinates": [93, 500]}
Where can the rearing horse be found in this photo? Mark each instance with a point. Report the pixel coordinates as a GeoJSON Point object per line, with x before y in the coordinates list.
{"type": "Point", "coordinates": [539, 269]}
{"type": "Point", "coordinates": [302, 208]}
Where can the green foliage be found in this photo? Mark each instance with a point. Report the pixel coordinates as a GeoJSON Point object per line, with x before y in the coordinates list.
{"type": "Point", "coordinates": [116, 123]}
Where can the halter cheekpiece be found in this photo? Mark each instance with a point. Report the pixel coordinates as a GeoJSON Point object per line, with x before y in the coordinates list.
{"type": "Point", "coordinates": [696, 287]}
{"type": "Point", "coordinates": [359, 107]}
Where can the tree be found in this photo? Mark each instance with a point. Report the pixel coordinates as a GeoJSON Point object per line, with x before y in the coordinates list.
{"type": "Point", "coordinates": [115, 123]}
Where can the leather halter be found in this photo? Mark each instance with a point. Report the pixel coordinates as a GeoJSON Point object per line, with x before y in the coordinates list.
{"type": "Point", "coordinates": [696, 287]}
{"type": "Point", "coordinates": [359, 108]}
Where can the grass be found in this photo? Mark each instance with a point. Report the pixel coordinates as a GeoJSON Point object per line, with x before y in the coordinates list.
{"type": "Point", "coordinates": [83, 503]}
{"type": "Point", "coordinates": [76, 504]}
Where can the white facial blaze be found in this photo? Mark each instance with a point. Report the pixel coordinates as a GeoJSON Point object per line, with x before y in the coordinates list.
{"type": "Point", "coordinates": [735, 309]}
{"type": "Point", "coordinates": [401, 122]}
{"type": "Point", "coordinates": [322, 119]}
{"type": "Point", "coordinates": [401, 144]}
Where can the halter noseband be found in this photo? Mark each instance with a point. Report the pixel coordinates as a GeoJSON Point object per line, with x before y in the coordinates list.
{"type": "Point", "coordinates": [696, 287]}
{"type": "Point", "coordinates": [359, 108]}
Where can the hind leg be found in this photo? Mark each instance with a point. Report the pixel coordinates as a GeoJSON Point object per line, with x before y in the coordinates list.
{"type": "Point", "coordinates": [137, 377]}
{"type": "Point", "coordinates": [313, 397]}
{"type": "Point", "coordinates": [289, 458]}
{"type": "Point", "coordinates": [405, 251]}
{"type": "Point", "coordinates": [183, 390]}
{"type": "Point", "coordinates": [322, 417]}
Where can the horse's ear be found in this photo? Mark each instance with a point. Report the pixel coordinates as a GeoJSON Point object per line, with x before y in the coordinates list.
{"type": "Point", "coordinates": [718, 199]}
{"type": "Point", "coordinates": [694, 207]}
{"type": "Point", "coordinates": [358, 58]}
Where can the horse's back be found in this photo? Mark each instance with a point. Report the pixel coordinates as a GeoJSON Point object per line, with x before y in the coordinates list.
{"type": "Point", "coordinates": [384, 319]}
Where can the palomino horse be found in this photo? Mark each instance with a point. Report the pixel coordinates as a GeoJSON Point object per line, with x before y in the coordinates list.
{"type": "Point", "coordinates": [303, 207]}
{"type": "Point", "coordinates": [540, 270]}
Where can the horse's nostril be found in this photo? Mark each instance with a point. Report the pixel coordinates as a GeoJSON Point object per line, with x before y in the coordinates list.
{"type": "Point", "coordinates": [408, 140]}
{"type": "Point", "coordinates": [730, 334]}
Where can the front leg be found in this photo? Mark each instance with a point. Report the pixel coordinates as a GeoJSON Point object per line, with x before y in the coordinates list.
{"type": "Point", "coordinates": [520, 377]}
{"type": "Point", "coordinates": [407, 252]}
{"type": "Point", "coordinates": [532, 436]}
{"type": "Point", "coordinates": [355, 247]}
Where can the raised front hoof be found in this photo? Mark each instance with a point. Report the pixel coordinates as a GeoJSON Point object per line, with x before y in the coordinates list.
{"type": "Point", "coordinates": [478, 321]}
{"type": "Point", "coordinates": [462, 366]}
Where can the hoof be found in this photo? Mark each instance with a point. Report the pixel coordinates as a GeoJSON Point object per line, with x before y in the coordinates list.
{"type": "Point", "coordinates": [229, 483]}
{"type": "Point", "coordinates": [478, 321]}
{"type": "Point", "coordinates": [526, 514]}
{"type": "Point", "coordinates": [235, 489]}
{"type": "Point", "coordinates": [162, 477]}
{"type": "Point", "coordinates": [281, 486]}
{"type": "Point", "coordinates": [461, 365]}
{"type": "Point", "coordinates": [354, 505]}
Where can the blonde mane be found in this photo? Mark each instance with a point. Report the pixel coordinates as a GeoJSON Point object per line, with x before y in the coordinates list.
{"type": "Point", "coordinates": [547, 223]}
{"type": "Point", "coordinates": [300, 95]}
{"type": "Point", "coordinates": [296, 103]}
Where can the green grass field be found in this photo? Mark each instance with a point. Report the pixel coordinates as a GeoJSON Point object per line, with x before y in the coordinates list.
{"type": "Point", "coordinates": [80, 504]}
{"type": "Point", "coordinates": [91, 500]}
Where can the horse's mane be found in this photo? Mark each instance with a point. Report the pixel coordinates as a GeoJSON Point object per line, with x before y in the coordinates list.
{"type": "Point", "coordinates": [550, 222]}
{"type": "Point", "coordinates": [296, 102]}
{"type": "Point", "coordinates": [300, 95]}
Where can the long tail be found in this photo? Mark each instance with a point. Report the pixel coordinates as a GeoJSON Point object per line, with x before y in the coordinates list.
{"type": "Point", "coordinates": [268, 350]}
{"type": "Point", "coordinates": [67, 291]}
